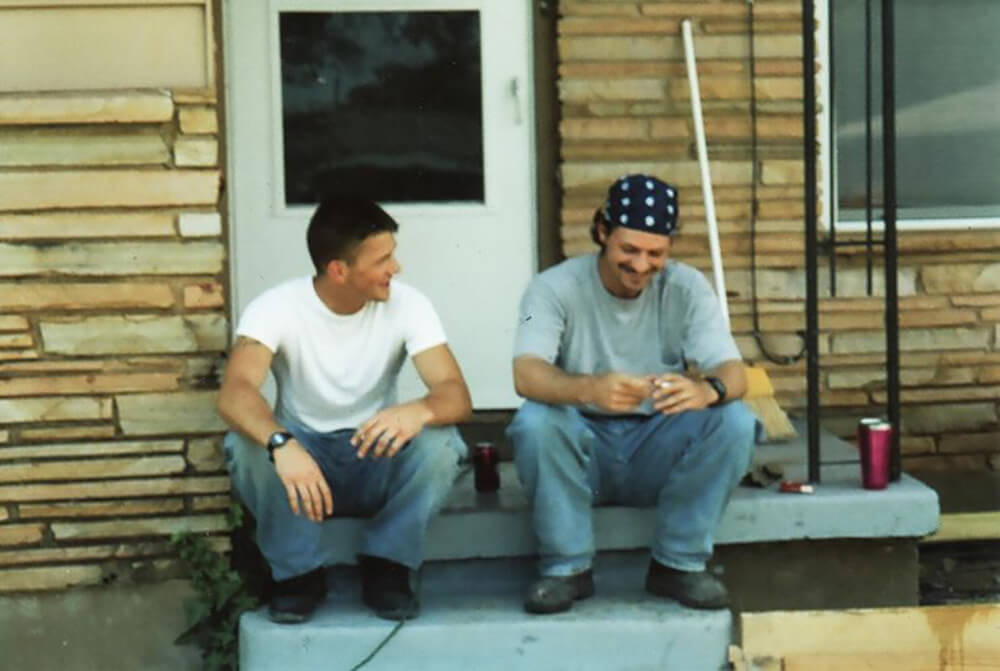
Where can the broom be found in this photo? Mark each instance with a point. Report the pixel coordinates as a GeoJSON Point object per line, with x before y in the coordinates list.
{"type": "Point", "coordinates": [759, 396]}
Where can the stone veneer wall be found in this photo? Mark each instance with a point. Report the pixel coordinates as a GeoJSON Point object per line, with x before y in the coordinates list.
{"type": "Point", "coordinates": [112, 324]}
{"type": "Point", "coordinates": [625, 107]}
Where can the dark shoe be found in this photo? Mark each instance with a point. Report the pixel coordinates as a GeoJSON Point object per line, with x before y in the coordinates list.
{"type": "Point", "coordinates": [695, 589]}
{"type": "Point", "coordinates": [554, 594]}
{"type": "Point", "coordinates": [387, 588]}
{"type": "Point", "coordinates": [295, 599]}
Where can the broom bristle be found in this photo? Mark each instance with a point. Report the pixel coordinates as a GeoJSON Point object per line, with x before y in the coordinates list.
{"type": "Point", "coordinates": [777, 426]}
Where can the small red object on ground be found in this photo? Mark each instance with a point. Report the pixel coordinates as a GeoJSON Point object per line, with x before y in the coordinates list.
{"type": "Point", "coordinates": [486, 463]}
{"type": "Point", "coordinates": [795, 487]}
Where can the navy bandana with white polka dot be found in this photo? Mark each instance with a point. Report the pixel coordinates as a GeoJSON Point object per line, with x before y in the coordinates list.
{"type": "Point", "coordinates": [642, 202]}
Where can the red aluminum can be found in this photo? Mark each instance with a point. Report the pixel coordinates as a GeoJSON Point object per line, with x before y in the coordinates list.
{"type": "Point", "coordinates": [486, 463]}
{"type": "Point", "coordinates": [863, 426]}
{"type": "Point", "coordinates": [875, 444]}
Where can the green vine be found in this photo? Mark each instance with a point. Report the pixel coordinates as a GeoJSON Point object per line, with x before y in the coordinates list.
{"type": "Point", "coordinates": [221, 596]}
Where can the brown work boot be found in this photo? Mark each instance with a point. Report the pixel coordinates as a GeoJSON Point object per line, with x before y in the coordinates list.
{"type": "Point", "coordinates": [554, 594]}
{"type": "Point", "coordinates": [695, 589]}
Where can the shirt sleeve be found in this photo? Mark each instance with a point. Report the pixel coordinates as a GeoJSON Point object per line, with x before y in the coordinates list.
{"type": "Point", "coordinates": [707, 340]}
{"type": "Point", "coordinates": [541, 322]}
{"type": "Point", "coordinates": [422, 328]}
{"type": "Point", "coordinates": [262, 320]}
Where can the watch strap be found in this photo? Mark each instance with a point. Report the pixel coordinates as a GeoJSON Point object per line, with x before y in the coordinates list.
{"type": "Point", "coordinates": [719, 387]}
{"type": "Point", "coordinates": [276, 440]}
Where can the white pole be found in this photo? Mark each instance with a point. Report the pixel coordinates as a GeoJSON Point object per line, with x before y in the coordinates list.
{"type": "Point", "coordinates": [706, 178]}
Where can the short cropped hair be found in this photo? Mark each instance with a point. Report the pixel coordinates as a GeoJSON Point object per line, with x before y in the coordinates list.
{"type": "Point", "coordinates": [339, 225]}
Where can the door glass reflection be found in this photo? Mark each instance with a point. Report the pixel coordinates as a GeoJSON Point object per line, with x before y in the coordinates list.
{"type": "Point", "coordinates": [382, 105]}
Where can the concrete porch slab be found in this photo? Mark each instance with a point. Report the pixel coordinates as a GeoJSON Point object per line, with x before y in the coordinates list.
{"type": "Point", "coordinates": [472, 618]}
{"type": "Point", "coordinates": [474, 525]}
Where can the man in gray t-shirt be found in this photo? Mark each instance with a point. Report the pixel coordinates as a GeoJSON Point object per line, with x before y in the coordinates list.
{"type": "Point", "coordinates": [630, 374]}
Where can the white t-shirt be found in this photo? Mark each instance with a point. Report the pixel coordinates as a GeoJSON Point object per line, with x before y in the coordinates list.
{"type": "Point", "coordinates": [336, 371]}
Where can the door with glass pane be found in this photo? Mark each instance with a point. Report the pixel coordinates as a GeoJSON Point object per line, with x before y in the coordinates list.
{"type": "Point", "coordinates": [420, 105]}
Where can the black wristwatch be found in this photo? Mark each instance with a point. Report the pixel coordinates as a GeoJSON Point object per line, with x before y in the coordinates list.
{"type": "Point", "coordinates": [276, 440]}
{"type": "Point", "coordinates": [719, 388]}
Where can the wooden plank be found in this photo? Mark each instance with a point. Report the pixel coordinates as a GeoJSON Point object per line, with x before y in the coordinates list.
{"type": "Point", "coordinates": [899, 661]}
{"type": "Point", "coordinates": [936, 630]}
{"type": "Point", "coordinates": [966, 527]}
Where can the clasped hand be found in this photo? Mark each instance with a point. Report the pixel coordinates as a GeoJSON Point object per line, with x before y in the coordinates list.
{"type": "Point", "coordinates": [390, 429]}
{"type": "Point", "coordinates": [671, 393]}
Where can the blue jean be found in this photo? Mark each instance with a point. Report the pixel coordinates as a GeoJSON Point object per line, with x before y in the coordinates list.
{"type": "Point", "coordinates": [399, 495]}
{"type": "Point", "coordinates": [684, 465]}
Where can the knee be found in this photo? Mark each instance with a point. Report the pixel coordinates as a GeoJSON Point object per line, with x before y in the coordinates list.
{"type": "Point", "coordinates": [436, 452]}
{"type": "Point", "coordinates": [737, 428]}
{"type": "Point", "coordinates": [537, 423]}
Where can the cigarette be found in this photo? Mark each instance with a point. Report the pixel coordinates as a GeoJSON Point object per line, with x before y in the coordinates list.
{"type": "Point", "coordinates": [793, 487]}
{"type": "Point", "coordinates": [664, 384]}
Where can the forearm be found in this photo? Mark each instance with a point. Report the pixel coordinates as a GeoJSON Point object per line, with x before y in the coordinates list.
{"type": "Point", "coordinates": [539, 380]}
{"type": "Point", "coordinates": [448, 402]}
{"type": "Point", "coordinates": [733, 375]}
{"type": "Point", "coordinates": [245, 410]}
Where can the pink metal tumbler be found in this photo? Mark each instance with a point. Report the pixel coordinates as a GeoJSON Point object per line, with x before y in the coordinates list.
{"type": "Point", "coordinates": [486, 462]}
{"type": "Point", "coordinates": [875, 443]}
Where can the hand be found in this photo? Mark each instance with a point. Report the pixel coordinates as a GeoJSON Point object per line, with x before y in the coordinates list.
{"type": "Point", "coordinates": [303, 480]}
{"type": "Point", "coordinates": [389, 430]}
{"type": "Point", "coordinates": [619, 392]}
{"type": "Point", "coordinates": [673, 393]}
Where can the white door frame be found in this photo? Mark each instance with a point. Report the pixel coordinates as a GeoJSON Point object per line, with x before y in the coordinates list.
{"type": "Point", "coordinates": [256, 196]}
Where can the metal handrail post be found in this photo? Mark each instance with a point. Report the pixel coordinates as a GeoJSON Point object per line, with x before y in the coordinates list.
{"type": "Point", "coordinates": [812, 248]}
{"type": "Point", "coordinates": [890, 249]}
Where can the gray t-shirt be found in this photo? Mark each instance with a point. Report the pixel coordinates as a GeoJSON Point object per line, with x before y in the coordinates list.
{"type": "Point", "coordinates": [569, 319]}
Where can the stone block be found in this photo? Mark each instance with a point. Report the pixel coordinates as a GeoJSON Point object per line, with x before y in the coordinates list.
{"type": "Point", "coordinates": [591, 90]}
{"type": "Point", "coordinates": [779, 88]}
{"type": "Point", "coordinates": [780, 171]}
{"type": "Point", "coordinates": [670, 129]}
{"type": "Point", "coordinates": [20, 534]}
{"type": "Point", "coordinates": [100, 508]}
{"type": "Point", "coordinates": [682, 173]}
{"type": "Point", "coordinates": [84, 296]}
{"type": "Point", "coordinates": [76, 432]}
{"type": "Point", "coordinates": [970, 442]}
{"type": "Point", "coordinates": [81, 469]}
{"type": "Point", "coordinates": [655, 48]}
{"type": "Point", "coordinates": [961, 278]}
{"type": "Point", "coordinates": [64, 189]}
{"type": "Point", "coordinates": [49, 578]}
{"type": "Point", "coordinates": [115, 489]}
{"type": "Point", "coordinates": [203, 503]}
{"type": "Point", "coordinates": [909, 377]}
{"type": "Point", "coordinates": [175, 413]}
{"type": "Point", "coordinates": [53, 409]}
{"type": "Point", "coordinates": [604, 129]}
{"type": "Point", "coordinates": [18, 354]}
{"type": "Point", "coordinates": [199, 120]}
{"type": "Point", "coordinates": [75, 225]}
{"type": "Point", "coordinates": [16, 341]}
{"type": "Point", "coordinates": [160, 526]}
{"type": "Point", "coordinates": [980, 300]}
{"type": "Point", "coordinates": [9, 323]}
{"type": "Point", "coordinates": [931, 339]}
{"type": "Point", "coordinates": [134, 334]}
{"type": "Point", "coordinates": [204, 295]}
{"type": "Point", "coordinates": [943, 395]}
{"type": "Point", "coordinates": [196, 151]}
{"type": "Point", "coordinates": [87, 384]}
{"type": "Point", "coordinates": [584, 8]}
{"type": "Point", "coordinates": [92, 449]}
{"type": "Point", "coordinates": [200, 224]}
{"type": "Point", "coordinates": [916, 445]}
{"type": "Point", "coordinates": [4, 514]}
{"type": "Point", "coordinates": [622, 26]}
{"type": "Point", "coordinates": [86, 108]}
{"type": "Point", "coordinates": [111, 258]}
{"type": "Point", "coordinates": [31, 148]}
{"type": "Point", "coordinates": [943, 418]}
{"type": "Point", "coordinates": [712, 88]}
{"type": "Point", "coordinates": [205, 454]}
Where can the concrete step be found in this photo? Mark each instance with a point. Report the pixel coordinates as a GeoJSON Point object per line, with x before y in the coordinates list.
{"type": "Point", "coordinates": [472, 618]}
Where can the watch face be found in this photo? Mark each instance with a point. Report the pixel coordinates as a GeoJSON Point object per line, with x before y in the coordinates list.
{"type": "Point", "coordinates": [278, 439]}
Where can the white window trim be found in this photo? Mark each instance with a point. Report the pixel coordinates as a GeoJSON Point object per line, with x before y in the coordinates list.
{"type": "Point", "coordinates": [827, 186]}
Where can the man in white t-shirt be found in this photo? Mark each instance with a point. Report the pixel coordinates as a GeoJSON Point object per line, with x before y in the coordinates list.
{"type": "Point", "coordinates": [338, 442]}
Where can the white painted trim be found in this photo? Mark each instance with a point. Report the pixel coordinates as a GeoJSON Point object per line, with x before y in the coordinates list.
{"type": "Point", "coordinates": [924, 224]}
